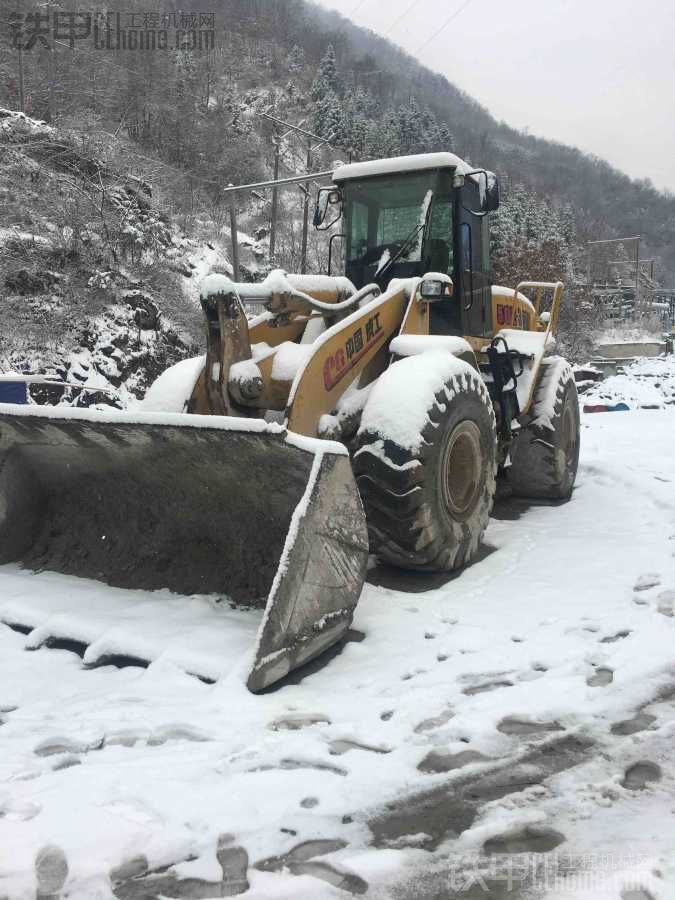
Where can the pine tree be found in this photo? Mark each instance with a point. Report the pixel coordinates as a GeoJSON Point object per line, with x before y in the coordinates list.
{"type": "Point", "coordinates": [445, 138]}
{"type": "Point", "coordinates": [411, 128]}
{"type": "Point", "coordinates": [328, 67]}
{"type": "Point", "coordinates": [296, 59]}
{"type": "Point", "coordinates": [326, 76]}
{"type": "Point", "coordinates": [327, 115]}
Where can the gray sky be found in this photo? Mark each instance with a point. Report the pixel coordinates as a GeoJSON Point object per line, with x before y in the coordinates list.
{"type": "Point", "coordinates": [598, 74]}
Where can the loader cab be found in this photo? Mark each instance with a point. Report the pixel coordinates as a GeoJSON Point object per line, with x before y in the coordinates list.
{"type": "Point", "coordinates": [407, 216]}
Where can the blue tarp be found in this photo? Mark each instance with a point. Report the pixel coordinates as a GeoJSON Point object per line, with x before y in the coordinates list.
{"type": "Point", "coordinates": [13, 392]}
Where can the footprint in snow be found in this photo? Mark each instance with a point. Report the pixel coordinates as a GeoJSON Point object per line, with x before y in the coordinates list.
{"type": "Point", "coordinates": [647, 581]}
{"type": "Point", "coordinates": [600, 678]}
{"type": "Point", "coordinates": [344, 881]}
{"type": "Point", "coordinates": [301, 764]}
{"type": "Point", "coordinates": [666, 603]}
{"type": "Point", "coordinates": [51, 871]}
{"type": "Point", "coordinates": [133, 880]}
{"type": "Point", "coordinates": [300, 853]}
{"type": "Point", "coordinates": [533, 839]}
{"type": "Point", "coordinates": [126, 738]}
{"type": "Point", "coordinates": [437, 761]}
{"type": "Point", "coordinates": [21, 811]}
{"type": "Point", "coordinates": [640, 722]}
{"type": "Point", "coordinates": [409, 675]}
{"type": "Point", "coordinates": [640, 774]}
{"type": "Point", "coordinates": [485, 686]}
{"type": "Point", "coordinates": [340, 746]}
{"type": "Point", "coordinates": [56, 745]}
{"type": "Point", "coordinates": [67, 762]}
{"type": "Point", "coordinates": [130, 868]}
{"type": "Point", "coordinates": [301, 720]}
{"type": "Point", "coordinates": [619, 636]}
{"type": "Point", "coordinates": [514, 726]}
{"type": "Point", "coordinates": [434, 721]}
{"type": "Point", "coordinates": [301, 860]}
{"type": "Point", "coordinates": [176, 733]}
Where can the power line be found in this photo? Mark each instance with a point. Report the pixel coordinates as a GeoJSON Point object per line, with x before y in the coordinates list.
{"type": "Point", "coordinates": [398, 18]}
{"type": "Point", "coordinates": [356, 8]}
{"type": "Point", "coordinates": [445, 24]}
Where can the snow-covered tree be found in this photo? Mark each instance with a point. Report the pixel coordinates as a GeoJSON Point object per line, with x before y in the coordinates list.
{"type": "Point", "coordinates": [326, 76]}
{"type": "Point", "coordinates": [327, 115]}
{"type": "Point", "coordinates": [296, 59]}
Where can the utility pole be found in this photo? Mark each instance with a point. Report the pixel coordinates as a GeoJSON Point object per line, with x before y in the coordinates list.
{"type": "Point", "coordinates": [278, 138]}
{"type": "Point", "coordinates": [50, 83]}
{"type": "Point", "coordinates": [22, 102]}
{"type": "Point", "coordinates": [275, 196]}
{"type": "Point", "coordinates": [235, 242]}
{"type": "Point", "coordinates": [305, 212]}
{"type": "Point", "coordinates": [638, 305]}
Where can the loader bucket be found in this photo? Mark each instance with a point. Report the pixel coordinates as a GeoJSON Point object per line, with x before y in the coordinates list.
{"type": "Point", "coordinates": [195, 504]}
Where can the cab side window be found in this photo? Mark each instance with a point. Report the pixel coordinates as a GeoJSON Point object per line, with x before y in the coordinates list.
{"type": "Point", "coordinates": [440, 238]}
{"type": "Point", "coordinates": [358, 238]}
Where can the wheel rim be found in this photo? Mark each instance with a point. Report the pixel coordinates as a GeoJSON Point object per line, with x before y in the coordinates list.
{"type": "Point", "coordinates": [462, 469]}
{"type": "Point", "coordinates": [569, 436]}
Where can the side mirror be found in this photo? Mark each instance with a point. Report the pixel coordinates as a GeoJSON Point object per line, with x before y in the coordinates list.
{"type": "Point", "coordinates": [435, 286]}
{"type": "Point", "coordinates": [326, 198]}
{"type": "Point", "coordinates": [320, 209]}
{"type": "Point", "coordinates": [491, 192]}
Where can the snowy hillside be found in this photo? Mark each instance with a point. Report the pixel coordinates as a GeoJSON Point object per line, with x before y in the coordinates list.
{"type": "Point", "coordinates": [99, 287]}
{"type": "Point", "coordinates": [513, 724]}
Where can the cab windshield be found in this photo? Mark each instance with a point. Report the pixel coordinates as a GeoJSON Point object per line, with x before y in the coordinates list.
{"type": "Point", "coordinates": [384, 212]}
{"type": "Point", "coordinates": [386, 218]}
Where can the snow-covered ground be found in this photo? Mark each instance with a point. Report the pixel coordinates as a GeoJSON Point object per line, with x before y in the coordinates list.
{"type": "Point", "coordinates": [511, 727]}
{"type": "Point", "coordinates": [643, 383]}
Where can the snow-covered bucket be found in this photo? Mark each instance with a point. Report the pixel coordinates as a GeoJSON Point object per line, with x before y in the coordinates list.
{"type": "Point", "coordinates": [196, 504]}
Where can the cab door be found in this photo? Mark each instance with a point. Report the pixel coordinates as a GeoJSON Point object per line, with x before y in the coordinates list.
{"type": "Point", "coordinates": [472, 269]}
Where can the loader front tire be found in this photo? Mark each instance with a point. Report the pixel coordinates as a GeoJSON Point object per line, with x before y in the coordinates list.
{"type": "Point", "coordinates": [545, 452]}
{"type": "Point", "coordinates": [428, 507]}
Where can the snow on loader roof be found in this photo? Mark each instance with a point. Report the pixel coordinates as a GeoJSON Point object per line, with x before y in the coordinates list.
{"type": "Point", "coordinates": [195, 504]}
{"type": "Point", "coordinates": [397, 164]}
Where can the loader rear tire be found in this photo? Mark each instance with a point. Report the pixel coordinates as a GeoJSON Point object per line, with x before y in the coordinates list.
{"type": "Point", "coordinates": [427, 508]}
{"type": "Point", "coordinates": [545, 452]}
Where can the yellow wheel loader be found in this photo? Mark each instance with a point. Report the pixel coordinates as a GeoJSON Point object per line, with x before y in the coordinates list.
{"type": "Point", "coordinates": [330, 417]}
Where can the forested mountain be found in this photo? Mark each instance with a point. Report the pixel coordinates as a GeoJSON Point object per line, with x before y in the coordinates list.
{"type": "Point", "coordinates": [187, 119]}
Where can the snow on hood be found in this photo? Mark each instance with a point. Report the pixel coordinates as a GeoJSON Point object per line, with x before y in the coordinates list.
{"type": "Point", "coordinates": [278, 282]}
